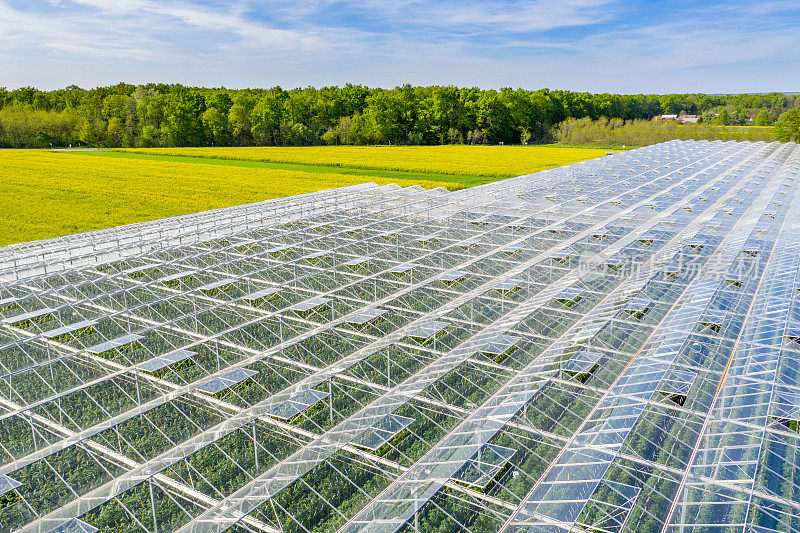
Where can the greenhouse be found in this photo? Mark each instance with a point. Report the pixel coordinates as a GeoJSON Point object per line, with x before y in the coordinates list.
{"type": "Point", "coordinates": [610, 346]}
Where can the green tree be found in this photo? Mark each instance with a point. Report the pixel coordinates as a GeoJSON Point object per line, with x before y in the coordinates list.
{"type": "Point", "coordinates": [494, 120]}
{"type": "Point", "coordinates": [149, 136]}
{"type": "Point", "coordinates": [787, 128]}
{"type": "Point", "coordinates": [763, 118]}
{"type": "Point", "coordinates": [672, 104]}
{"type": "Point", "coordinates": [216, 126]}
{"type": "Point", "coordinates": [445, 107]}
{"type": "Point", "coordinates": [185, 122]}
{"type": "Point", "coordinates": [220, 100]}
{"type": "Point", "coordinates": [392, 114]}
{"type": "Point", "coordinates": [164, 115]}
{"type": "Point", "coordinates": [115, 105]}
{"type": "Point", "coordinates": [269, 118]}
{"type": "Point", "coordinates": [150, 108]}
{"type": "Point", "coordinates": [742, 117]}
{"type": "Point", "coordinates": [454, 136]}
{"type": "Point", "coordinates": [116, 131]}
{"type": "Point", "coordinates": [383, 112]}
{"type": "Point", "coordinates": [239, 119]}
{"type": "Point", "coordinates": [91, 131]}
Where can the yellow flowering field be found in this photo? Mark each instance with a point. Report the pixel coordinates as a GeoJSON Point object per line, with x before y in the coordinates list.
{"type": "Point", "coordinates": [47, 194]}
{"type": "Point", "coordinates": [492, 161]}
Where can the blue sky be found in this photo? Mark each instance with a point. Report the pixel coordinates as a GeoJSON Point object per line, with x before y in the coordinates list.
{"type": "Point", "coordinates": [591, 45]}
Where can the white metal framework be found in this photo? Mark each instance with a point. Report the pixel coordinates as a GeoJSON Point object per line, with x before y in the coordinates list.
{"type": "Point", "coordinates": [608, 346]}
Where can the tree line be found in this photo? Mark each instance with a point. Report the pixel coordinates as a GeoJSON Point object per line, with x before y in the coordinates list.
{"type": "Point", "coordinates": [618, 132]}
{"type": "Point", "coordinates": [152, 115]}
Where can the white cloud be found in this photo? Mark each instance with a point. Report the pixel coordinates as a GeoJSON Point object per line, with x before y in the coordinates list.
{"type": "Point", "coordinates": [665, 47]}
{"type": "Point", "coordinates": [116, 7]}
{"type": "Point", "coordinates": [459, 17]}
{"type": "Point", "coordinates": [143, 29]}
{"type": "Point", "coordinates": [577, 44]}
{"type": "Point", "coordinates": [74, 35]}
{"type": "Point", "coordinates": [540, 15]}
{"type": "Point", "coordinates": [252, 35]}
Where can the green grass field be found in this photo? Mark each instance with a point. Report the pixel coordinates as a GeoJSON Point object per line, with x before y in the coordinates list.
{"type": "Point", "coordinates": [58, 193]}
{"type": "Point", "coordinates": [455, 160]}
{"type": "Point", "coordinates": [745, 128]}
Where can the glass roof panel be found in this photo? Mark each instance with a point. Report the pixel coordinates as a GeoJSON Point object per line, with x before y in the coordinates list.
{"type": "Point", "coordinates": [64, 330]}
{"type": "Point", "coordinates": [638, 305]}
{"type": "Point", "coordinates": [141, 268]}
{"type": "Point", "coordinates": [178, 275]}
{"type": "Point", "coordinates": [114, 343]}
{"type": "Point", "coordinates": [311, 304]}
{"type": "Point", "coordinates": [8, 301]}
{"type": "Point", "coordinates": [316, 255]}
{"type": "Point", "coordinates": [677, 382]}
{"type": "Point", "coordinates": [482, 468]}
{"type": "Point", "coordinates": [402, 269]}
{"type": "Point", "coordinates": [428, 330]}
{"type": "Point", "coordinates": [366, 316]}
{"type": "Point", "coordinates": [298, 404]}
{"type": "Point", "coordinates": [508, 284]}
{"type": "Point", "coordinates": [358, 260]}
{"type": "Point", "coordinates": [383, 431]}
{"type": "Point", "coordinates": [714, 317]}
{"type": "Point", "coordinates": [226, 380]}
{"type": "Point", "coordinates": [217, 284]}
{"type": "Point", "coordinates": [163, 361]}
{"type": "Point", "coordinates": [28, 316]}
{"type": "Point", "coordinates": [269, 291]}
{"type": "Point", "coordinates": [8, 484]}
{"type": "Point", "coordinates": [582, 362]}
{"type": "Point", "coordinates": [455, 275]}
{"type": "Point", "coordinates": [570, 294]}
{"type": "Point", "coordinates": [469, 243]}
{"type": "Point", "coordinates": [74, 525]}
{"type": "Point", "coordinates": [278, 248]}
{"type": "Point", "coordinates": [589, 426]}
{"type": "Point", "coordinates": [513, 248]}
